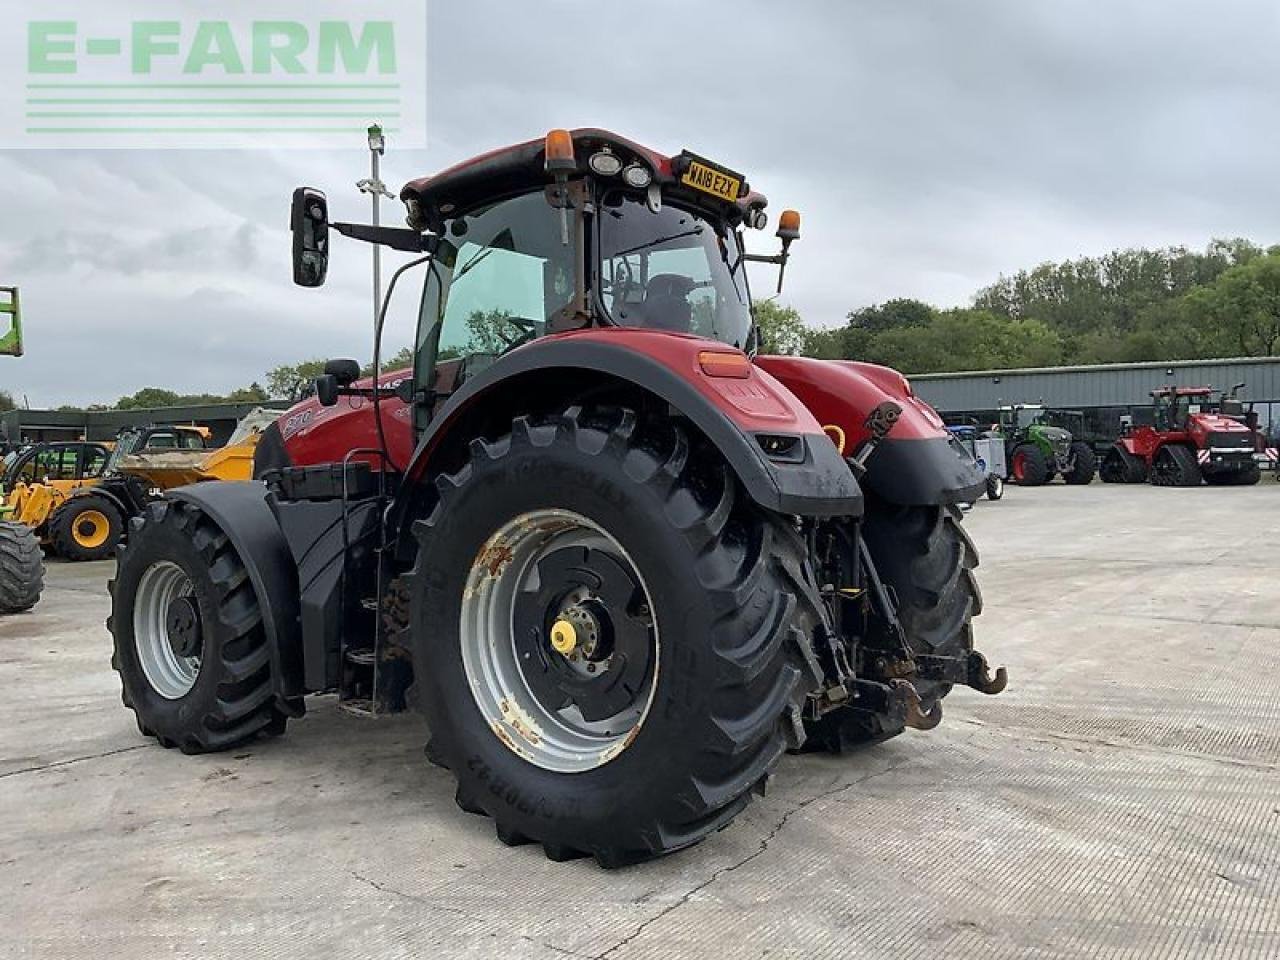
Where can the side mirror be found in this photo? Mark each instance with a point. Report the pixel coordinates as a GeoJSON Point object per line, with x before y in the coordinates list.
{"type": "Point", "coordinates": [309, 221]}
{"type": "Point", "coordinates": [327, 390]}
{"type": "Point", "coordinates": [345, 372]}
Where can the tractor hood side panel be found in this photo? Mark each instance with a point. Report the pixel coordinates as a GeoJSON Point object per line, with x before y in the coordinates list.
{"type": "Point", "coordinates": [917, 463]}
{"type": "Point", "coordinates": [309, 433]}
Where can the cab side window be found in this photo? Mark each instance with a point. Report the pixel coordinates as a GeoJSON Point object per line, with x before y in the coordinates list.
{"type": "Point", "coordinates": [95, 461]}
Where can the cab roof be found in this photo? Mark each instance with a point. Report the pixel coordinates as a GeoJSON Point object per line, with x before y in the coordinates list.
{"type": "Point", "coordinates": [520, 167]}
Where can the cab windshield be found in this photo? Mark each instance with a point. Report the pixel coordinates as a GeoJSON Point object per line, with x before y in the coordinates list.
{"type": "Point", "coordinates": [672, 270]}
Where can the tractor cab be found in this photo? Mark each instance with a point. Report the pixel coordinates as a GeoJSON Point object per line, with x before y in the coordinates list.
{"type": "Point", "coordinates": [1173, 406]}
{"type": "Point", "coordinates": [621, 236]}
{"type": "Point", "coordinates": [53, 462]}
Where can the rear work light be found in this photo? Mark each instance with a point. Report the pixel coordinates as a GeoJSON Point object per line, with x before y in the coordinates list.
{"type": "Point", "coordinates": [716, 363]}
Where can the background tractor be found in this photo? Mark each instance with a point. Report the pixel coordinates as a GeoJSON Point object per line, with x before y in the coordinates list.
{"type": "Point", "coordinates": [608, 550]}
{"type": "Point", "coordinates": [21, 561]}
{"type": "Point", "coordinates": [1193, 438]}
{"type": "Point", "coordinates": [1038, 447]}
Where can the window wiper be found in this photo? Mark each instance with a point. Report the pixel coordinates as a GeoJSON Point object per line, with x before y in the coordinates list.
{"type": "Point", "coordinates": [473, 262]}
{"type": "Point", "coordinates": [653, 243]}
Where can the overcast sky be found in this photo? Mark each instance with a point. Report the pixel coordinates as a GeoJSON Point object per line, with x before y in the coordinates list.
{"type": "Point", "coordinates": [929, 145]}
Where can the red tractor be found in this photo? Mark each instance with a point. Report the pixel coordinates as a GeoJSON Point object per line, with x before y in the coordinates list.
{"type": "Point", "coordinates": [1194, 438]}
{"type": "Point", "coordinates": [619, 560]}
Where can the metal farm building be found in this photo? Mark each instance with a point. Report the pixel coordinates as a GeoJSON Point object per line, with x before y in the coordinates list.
{"type": "Point", "coordinates": [1103, 393]}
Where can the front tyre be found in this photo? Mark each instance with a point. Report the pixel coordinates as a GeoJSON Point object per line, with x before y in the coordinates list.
{"type": "Point", "coordinates": [1084, 464]}
{"type": "Point", "coordinates": [995, 486]}
{"type": "Point", "coordinates": [86, 528]}
{"type": "Point", "coordinates": [1029, 467]}
{"type": "Point", "coordinates": [608, 642]}
{"type": "Point", "coordinates": [190, 644]}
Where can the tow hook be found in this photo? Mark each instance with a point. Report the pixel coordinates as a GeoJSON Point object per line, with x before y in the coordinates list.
{"type": "Point", "coordinates": [972, 671]}
{"type": "Point", "coordinates": [915, 718]}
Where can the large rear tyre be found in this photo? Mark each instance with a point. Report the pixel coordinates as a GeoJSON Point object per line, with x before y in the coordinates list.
{"type": "Point", "coordinates": [1175, 466]}
{"type": "Point", "coordinates": [1121, 466]}
{"type": "Point", "coordinates": [612, 646]}
{"type": "Point", "coordinates": [1029, 467]}
{"type": "Point", "coordinates": [190, 645]}
{"type": "Point", "coordinates": [86, 528]}
{"type": "Point", "coordinates": [21, 568]}
{"type": "Point", "coordinates": [1085, 464]}
{"type": "Point", "coordinates": [927, 560]}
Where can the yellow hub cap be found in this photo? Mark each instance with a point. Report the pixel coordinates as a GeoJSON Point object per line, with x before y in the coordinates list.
{"type": "Point", "coordinates": [91, 529]}
{"type": "Point", "coordinates": [563, 637]}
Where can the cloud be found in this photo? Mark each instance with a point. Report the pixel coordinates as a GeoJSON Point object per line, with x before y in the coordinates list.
{"type": "Point", "coordinates": [930, 146]}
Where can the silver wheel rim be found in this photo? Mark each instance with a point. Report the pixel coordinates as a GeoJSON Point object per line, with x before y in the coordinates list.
{"type": "Point", "coordinates": [561, 740]}
{"type": "Point", "coordinates": [170, 675]}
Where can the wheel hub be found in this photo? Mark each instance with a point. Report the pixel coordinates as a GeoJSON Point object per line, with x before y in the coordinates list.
{"type": "Point", "coordinates": [559, 644]}
{"type": "Point", "coordinates": [167, 632]}
{"type": "Point", "coordinates": [588, 594]}
{"type": "Point", "coordinates": [182, 624]}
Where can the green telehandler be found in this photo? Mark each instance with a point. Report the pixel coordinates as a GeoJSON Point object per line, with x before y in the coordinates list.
{"type": "Point", "coordinates": [1038, 447]}
{"type": "Point", "coordinates": [21, 559]}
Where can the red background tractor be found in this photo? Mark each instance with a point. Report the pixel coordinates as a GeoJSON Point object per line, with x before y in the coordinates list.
{"type": "Point", "coordinates": [1194, 438]}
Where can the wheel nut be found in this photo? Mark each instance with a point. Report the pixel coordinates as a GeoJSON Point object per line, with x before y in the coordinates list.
{"type": "Point", "coordinates": [564, 638]}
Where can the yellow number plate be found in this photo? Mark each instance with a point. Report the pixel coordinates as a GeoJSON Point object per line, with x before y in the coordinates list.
{"type": "Point", "coordinates": [704, 178]}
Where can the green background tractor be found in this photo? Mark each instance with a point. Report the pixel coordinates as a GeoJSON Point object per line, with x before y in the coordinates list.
{"type": "Point", "coordinates": [1039, 448]}
{"type": "Point", "coordinates": [21, 561]}
{"type": "Point", "coordinates": [10, 323]}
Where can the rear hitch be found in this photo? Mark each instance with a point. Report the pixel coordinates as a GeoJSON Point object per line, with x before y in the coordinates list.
{"type": "Point", "coordinates": [914, 717]}
{"type": "Point", "coordinates": [897, 700]}
{"type": "Point", "coordinates": [971, 671]}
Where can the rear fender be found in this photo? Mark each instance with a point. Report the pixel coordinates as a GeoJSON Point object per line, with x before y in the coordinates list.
{"type": "Point", "coordinates": [240, 509]}
{"type": "Point", "coordinates": [916, 463]}
{"type": "Point", "coordinates": [736, 415]}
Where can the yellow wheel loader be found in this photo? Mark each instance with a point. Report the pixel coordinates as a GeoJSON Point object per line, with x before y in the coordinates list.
{"type": "Point", "coordinates": [81, 512]}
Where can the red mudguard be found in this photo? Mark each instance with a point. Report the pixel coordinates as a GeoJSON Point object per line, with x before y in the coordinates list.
{"type": "Point", "coordinates": [916, 463]}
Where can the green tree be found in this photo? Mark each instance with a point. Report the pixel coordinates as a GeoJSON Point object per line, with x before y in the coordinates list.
{"type": "Point", "coordinates": [402, 359]}
{"type": "Point", "coordinates": [892, 315]}
{"type": "Point", "coordinates": [250, 394]}
{"type": "Point", "coordinates": [781, 329]}
{"type": "Point", "coordinates": [6, 401]}
{"type": "Point", "coordinates": [149, 397]}
{"type": "Point", "coordinates": [1242, 308]}
{"type": "Point", "coordinates": [291, 381]}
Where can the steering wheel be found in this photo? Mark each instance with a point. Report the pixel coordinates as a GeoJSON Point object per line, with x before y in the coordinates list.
{"type": "Point", "coordinates": [526, 330]}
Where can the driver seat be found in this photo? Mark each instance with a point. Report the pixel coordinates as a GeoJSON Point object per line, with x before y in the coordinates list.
{"type": "Point", "coordinates": [666, 303]}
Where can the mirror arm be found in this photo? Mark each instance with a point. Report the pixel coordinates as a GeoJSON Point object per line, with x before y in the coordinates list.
{"type": "Point", "coordinates": [397, 238]}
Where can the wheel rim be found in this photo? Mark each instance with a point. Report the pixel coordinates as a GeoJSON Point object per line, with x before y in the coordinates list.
{"type": "Point", "coordinates": [559, 641]}
{"type": "Point", "coordinates": [166, 630]}
{"type": "Point", "coordinates": [1019, 466]}
{"type": "Point", "coordinates": [91, 529]}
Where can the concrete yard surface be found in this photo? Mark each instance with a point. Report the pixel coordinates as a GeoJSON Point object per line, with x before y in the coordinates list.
{"type": "Point", "coordinates": [1120, 799]}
